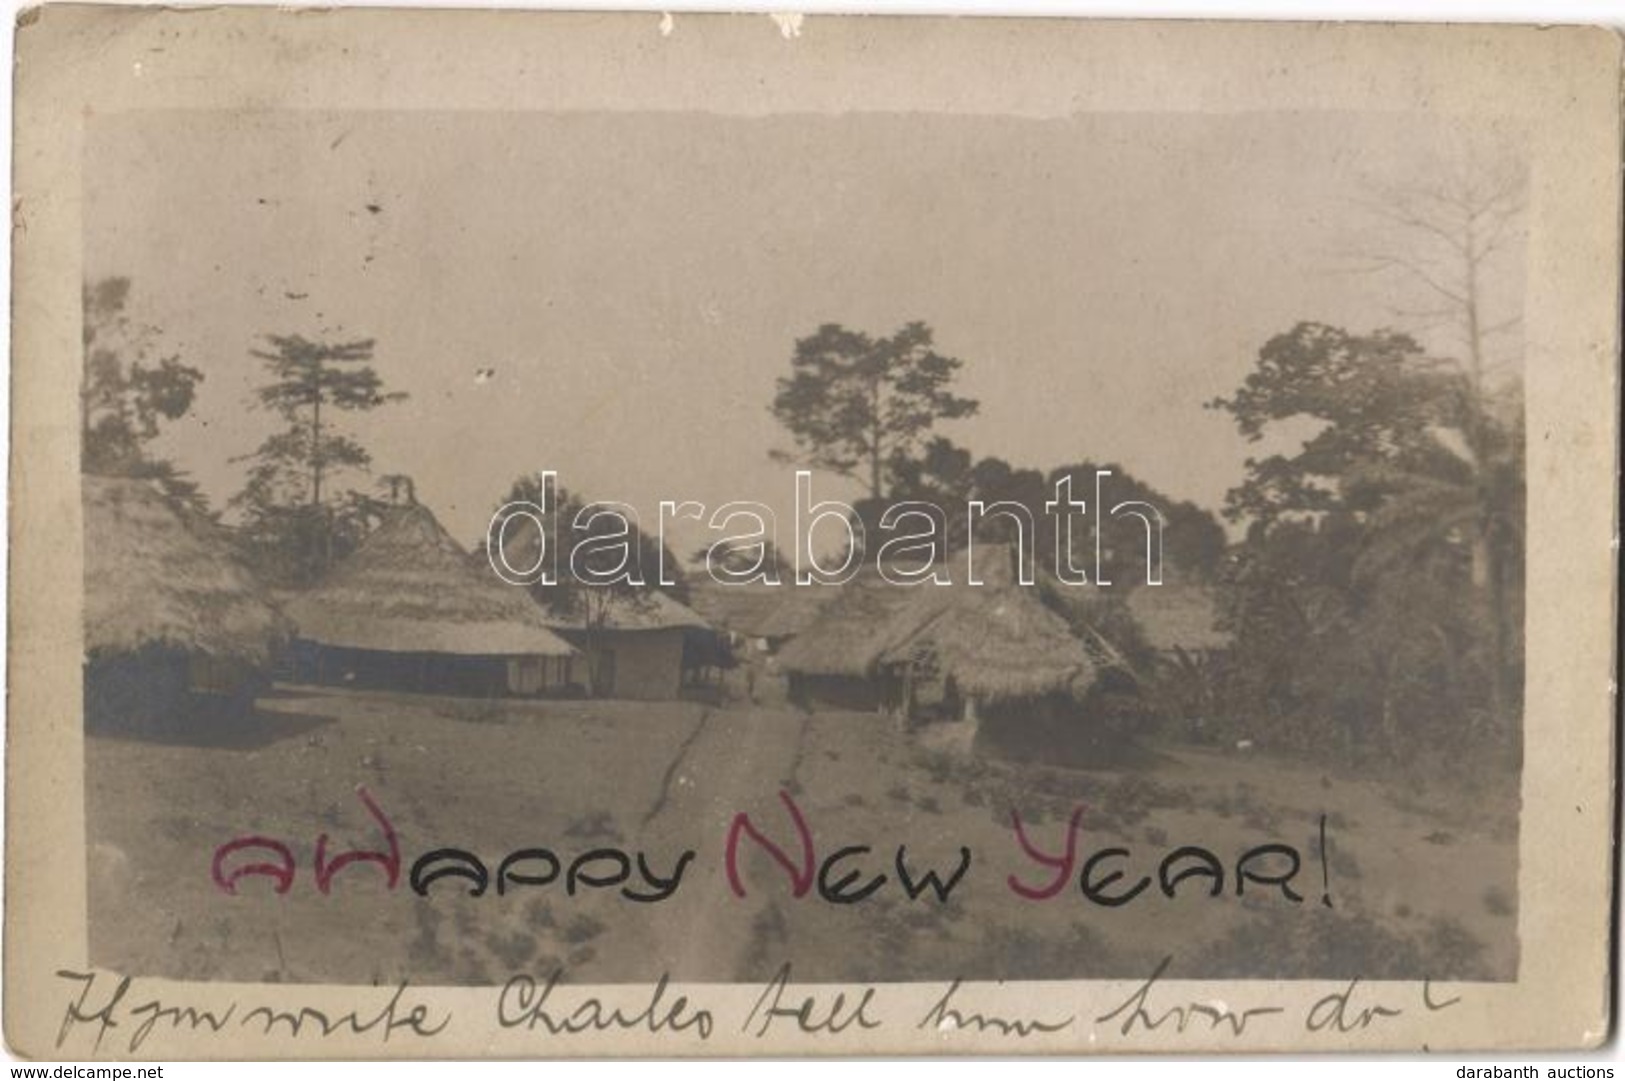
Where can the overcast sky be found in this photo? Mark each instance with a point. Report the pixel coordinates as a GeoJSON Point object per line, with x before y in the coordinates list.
{"type": "Point", "coordinates": [637, 280]}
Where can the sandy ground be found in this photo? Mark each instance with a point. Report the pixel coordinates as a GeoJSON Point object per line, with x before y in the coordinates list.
{"type": "Point", "coordinates": [1420, 884]}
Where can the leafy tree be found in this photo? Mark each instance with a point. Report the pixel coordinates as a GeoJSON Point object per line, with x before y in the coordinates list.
{"type": "Point", "coordinates": [126, 396]}
{"type": "Point", "coordinates": [1361, 601]}
{"type": "Point", "coordinates": [948, 477]}
{"type": "Point", "coordinates": [1454, 238]}
{"type": "Point", "coordinates": [862, 407]}
{"type": "Point", "coordinates": [1470, 497]}
{"type": "Point", "coordinates": [1193, 541]}
{"type": "Point", "coordinates": [1425, 450]}
{"type": "Point", "coordinates": [941, 474]}
{"type": "Point", "coordinates": [296, 517]}
{"type": "Point", "coordinates": [1374, 398]}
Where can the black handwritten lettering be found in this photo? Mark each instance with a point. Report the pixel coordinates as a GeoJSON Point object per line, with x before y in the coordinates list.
{"type": "Point", "coordinates": [663, 887]}
{"type": "Point", "coordinates": [146, 1015]}
{"type": "Point", "coordinates": [416, 1020]}
{"type": "Point", "coordinates": [458, 864]}
{"type": "Point", "coordinates": [944, 1017]}
{"type": "Point", "coordinates": [1333, 1011]}
{"type": "Point", "coordinates": [578, 876]}
{"type": "Point", "coordinates": [837, 893]}
{"type": "Point", "coordinates": [914, 887]}
{"type": "Point", "coordinates": [76, 1015]}
{"type": "Point", "coordinates": [521, 1004]}
{"type": "Point", "coordinates": [1205, 864]}
{"type": "Point", "coordinates": [177, 1016]}
{"type": "Point", "coordinates": [1243, 875]}
{"type": "Point", "coordinates": [1095, 889]}
{"type": "Point", "coordinates": [809, 1015]}
{"type": "Point", "coordinates": [1136, 1010]}
{"type": "Point", "coordinates": [1427, 998]}
{"type": "Point", "coordinates": [506, 873]}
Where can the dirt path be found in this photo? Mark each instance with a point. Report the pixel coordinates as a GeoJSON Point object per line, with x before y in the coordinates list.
{"type": "Point", "coordinates": [731, 762]}
{"type": "Point", "coordinates": [657, 779]}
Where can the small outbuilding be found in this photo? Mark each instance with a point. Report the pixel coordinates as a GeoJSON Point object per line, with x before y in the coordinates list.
{"type": "Point", "coordinates": [646, 645]}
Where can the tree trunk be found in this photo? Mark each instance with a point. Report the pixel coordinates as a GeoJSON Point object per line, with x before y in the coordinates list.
{"type": "Point", "coordinates": [1500, 676]}
{"type": "Point", "coordinates": [324, 542]}
{"type": "Point", "coordinates": [316, 451]}
{"type": "Point", "coordinates": [874, 438]}
{"type": "Point", "coordinates": [1487, 572]}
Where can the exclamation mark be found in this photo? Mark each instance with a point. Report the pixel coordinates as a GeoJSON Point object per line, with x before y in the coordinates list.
{"type": "Point", "coordinates": [1325, 869]}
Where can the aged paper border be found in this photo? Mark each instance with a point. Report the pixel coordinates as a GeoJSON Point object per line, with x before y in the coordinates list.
{"type": "Point", "coordinates": [1561, 83]}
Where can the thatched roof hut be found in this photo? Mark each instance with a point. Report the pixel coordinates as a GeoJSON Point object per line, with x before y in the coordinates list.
{"type": "Point", "coordinates": [995, 640]}
{"type": "Point", "coordinates": [158, 577]}
{"type": "Point", "coordinates": [411, 589]}
{"type": "Point", "coordinates": [798, 609]}
{"type": "Point", "coordinates": [844, 638]}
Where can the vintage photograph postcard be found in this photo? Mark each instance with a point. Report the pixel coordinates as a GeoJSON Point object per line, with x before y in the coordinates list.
{"type": "Point", "coordinates": [561, 535]}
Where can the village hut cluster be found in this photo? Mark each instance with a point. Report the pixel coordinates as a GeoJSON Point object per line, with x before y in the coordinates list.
{"type": "Point", "coordinates": [177, 628]}
{"type": "Point", "coordinates": [413, 610]}
{"type": "Point", "coordinates": [174, 621]}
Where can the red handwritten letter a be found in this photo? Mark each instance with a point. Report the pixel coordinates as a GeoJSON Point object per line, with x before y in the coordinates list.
{"type": "Point", "coordinates": [282, 870]}
{"type": "Point", "coordinates": [801, 879]}
{"type": "Point", "coordinates": [390, 861]}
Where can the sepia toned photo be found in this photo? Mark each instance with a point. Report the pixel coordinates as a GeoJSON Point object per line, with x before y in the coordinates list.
{"type": "Point", "coordinates": [640, 543]}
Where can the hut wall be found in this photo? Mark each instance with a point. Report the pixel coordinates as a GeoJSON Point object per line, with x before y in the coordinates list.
{"type": "Point", "coordinates": [639, 665]}
{"type": "Point", "coordinates": [854, 693]}
{"type": "Point", "coordinates": [224, 676]}
{"type": "Point", "coordinates": [472, 676]}
{"type": "Point", "coordinates": [156, 690]}
{"type": "Point", "coordinates": [530, 676]}
{"type": "Point", "coordinates": [145, 691]}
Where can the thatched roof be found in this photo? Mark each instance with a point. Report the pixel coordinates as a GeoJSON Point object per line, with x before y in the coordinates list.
{"type": "Point", "coordinates": [996, 639]}
{"type": "Point", "coordinates": [410, 588]}
{"type": "Point", "coordinates": [798, 609]}
{"type": "Point", "coordinates": [744, 609]}
{"type": "Point", "coordinates": [155, 575]}
{"type": "Point", "coordinates": [1178, 617]}
{"type": "Point", "coordinates": [647, 611]}
{"type": "Point", "coordinates": [843, 640]}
